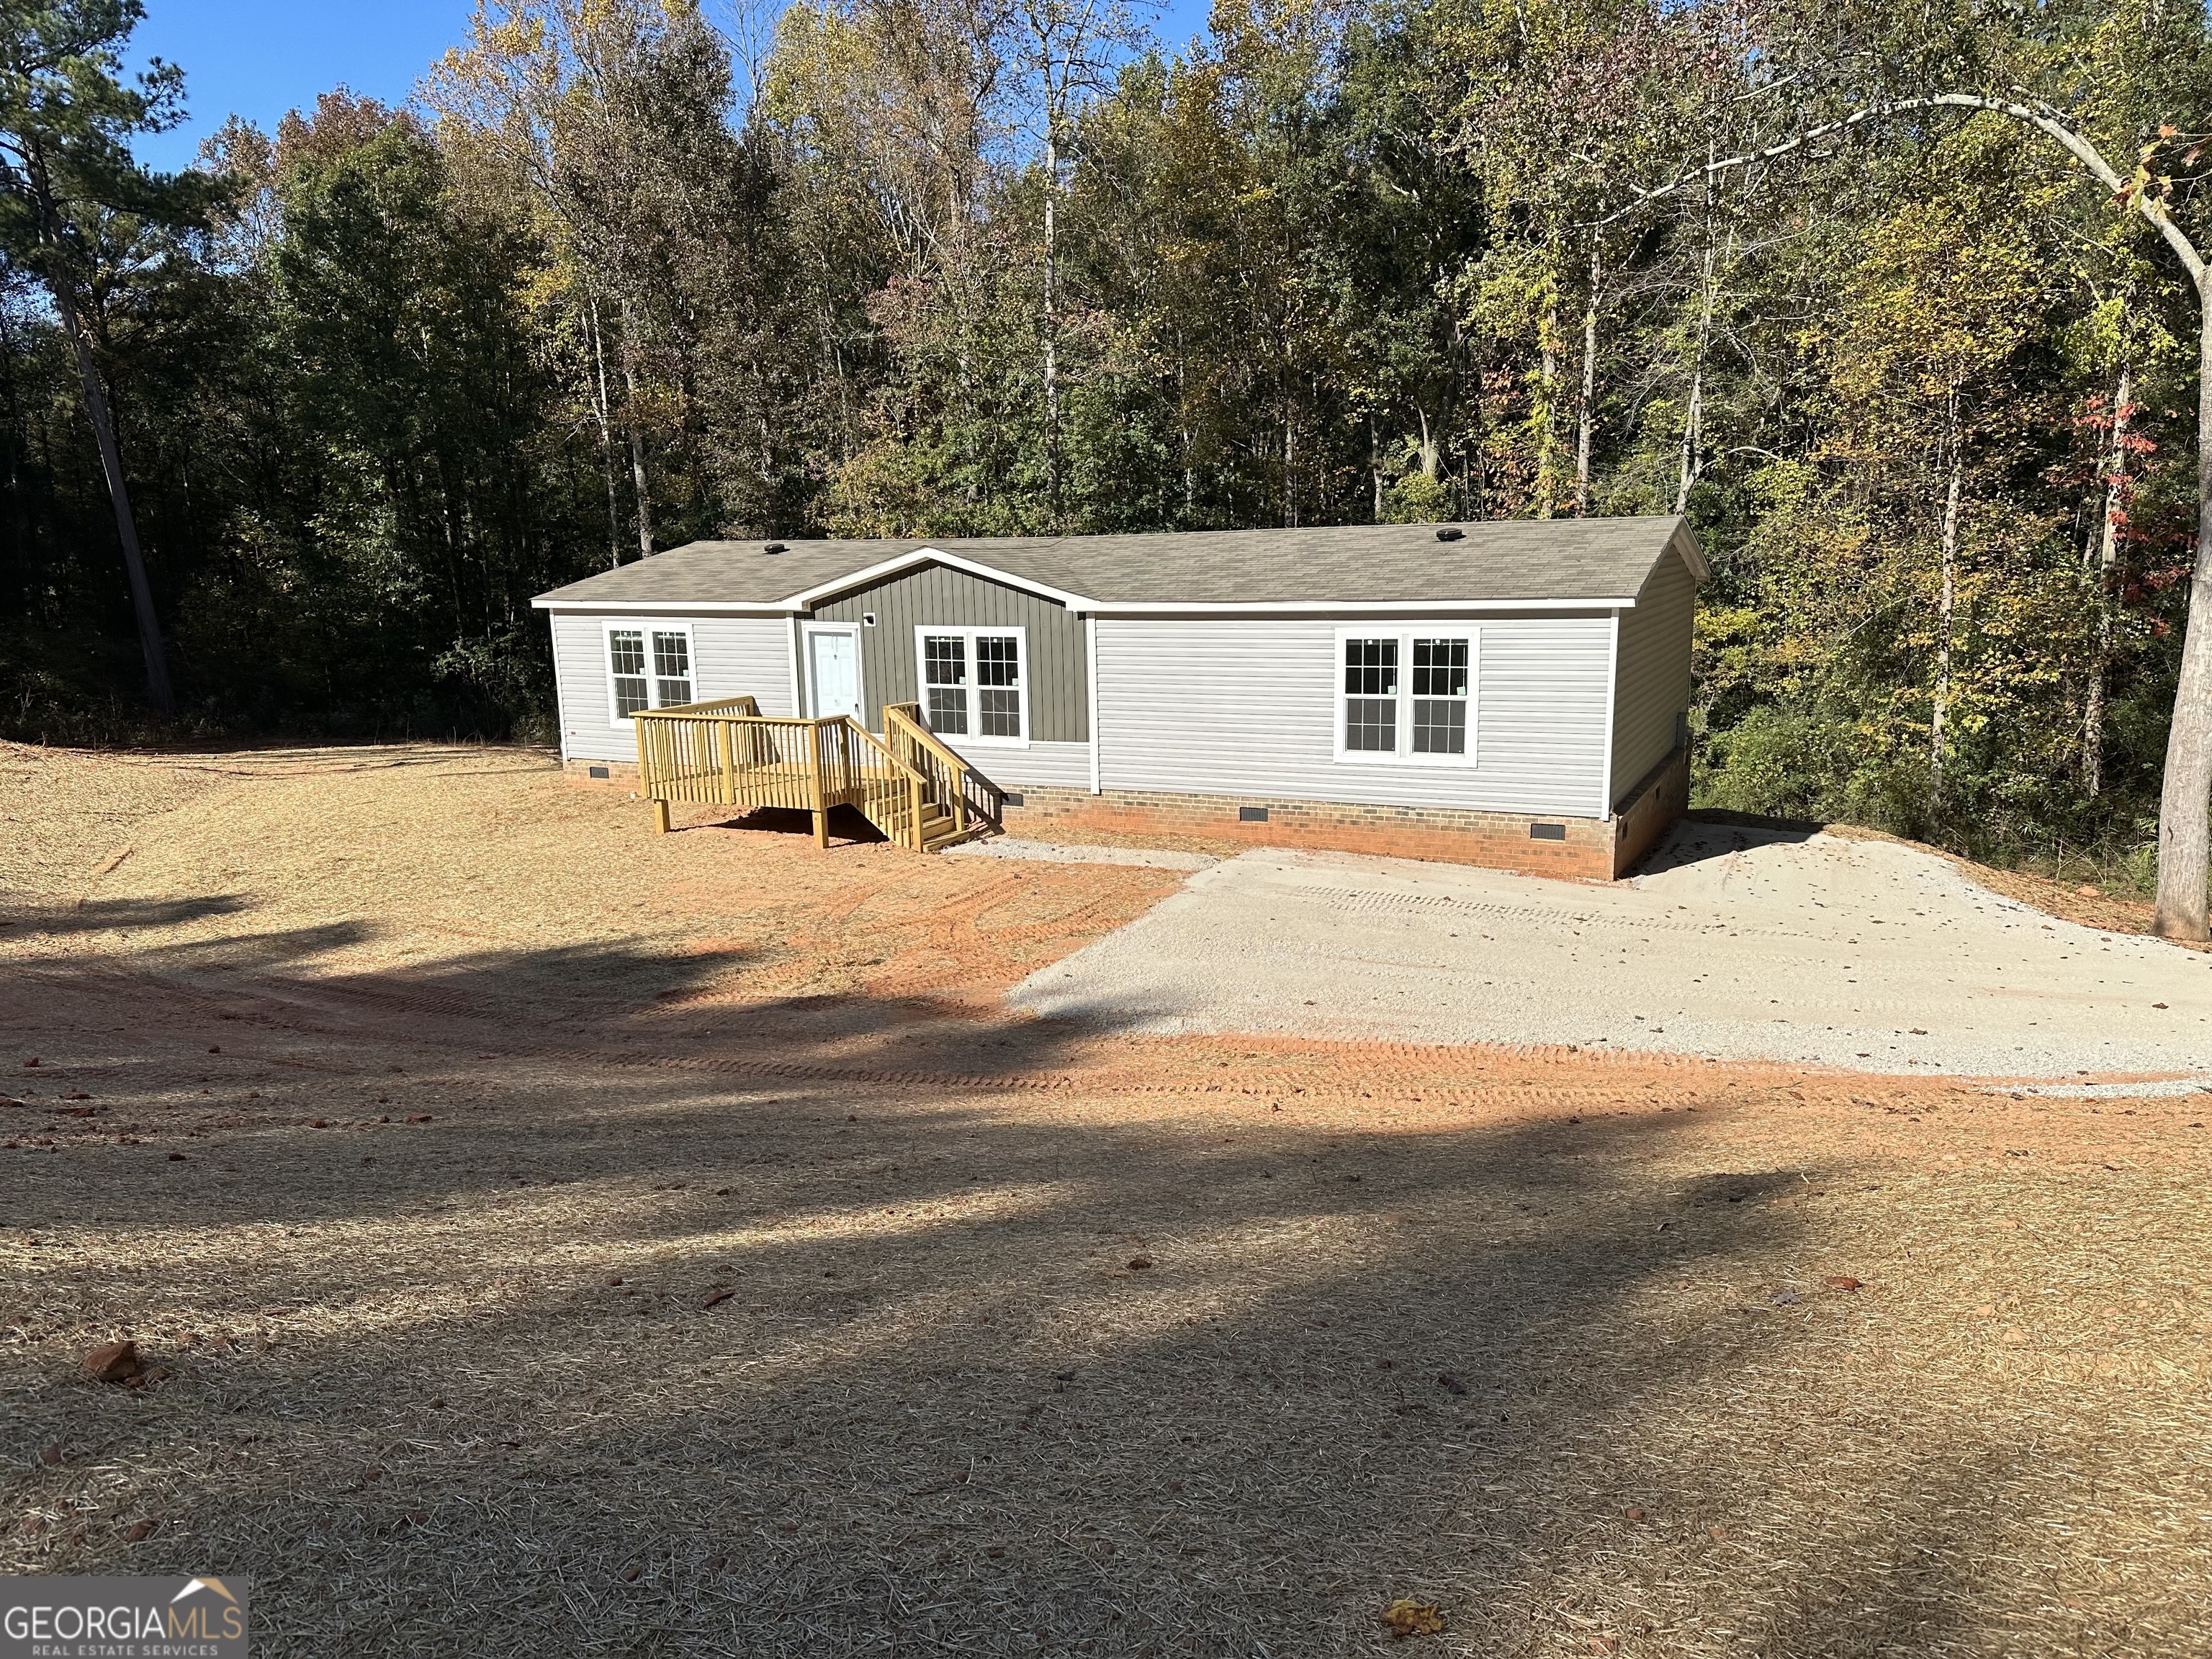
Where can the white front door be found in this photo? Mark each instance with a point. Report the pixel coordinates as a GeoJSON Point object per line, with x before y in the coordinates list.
{"type": "Point", "coordinates": [833, 672]}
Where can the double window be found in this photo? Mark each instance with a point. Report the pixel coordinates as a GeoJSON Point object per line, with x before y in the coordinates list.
{"type": "Point", "coordinates": [975, 684]}
{"type": "Point", "coordinates": [648, 667]}
{"type": "Point", "coordinates": [1406, 694]}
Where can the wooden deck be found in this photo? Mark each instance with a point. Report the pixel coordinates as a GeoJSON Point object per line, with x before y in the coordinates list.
{"type": "Point", "coordinates": [906, 782]}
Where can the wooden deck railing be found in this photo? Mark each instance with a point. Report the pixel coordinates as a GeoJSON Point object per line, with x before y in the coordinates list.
{"type": "Point", "coordinates": [727, 753]}
{"type": "Point", "coordinates": [970, 797]}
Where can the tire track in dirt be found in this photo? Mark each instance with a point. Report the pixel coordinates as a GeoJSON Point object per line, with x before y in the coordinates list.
{"type": "Point", "coordinates": [1430, 1077]}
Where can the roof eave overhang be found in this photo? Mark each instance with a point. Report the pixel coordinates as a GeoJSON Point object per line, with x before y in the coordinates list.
{"type": "Point", "coordinates": [1106, 607]}
{"type": "Point", "coordinates": [674, 607]}
{"type": "Point", "coordinates": [1350, 607]}
{"type": "Point", "coordinates": [1685, 540]}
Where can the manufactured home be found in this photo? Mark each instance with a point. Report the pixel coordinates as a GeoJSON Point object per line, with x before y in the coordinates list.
{"type": "Point", "coordinates": [1505, 693]}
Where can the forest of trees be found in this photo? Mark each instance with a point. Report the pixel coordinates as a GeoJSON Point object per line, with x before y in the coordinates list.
{"type": "Point", "coordinates": [624, 273]}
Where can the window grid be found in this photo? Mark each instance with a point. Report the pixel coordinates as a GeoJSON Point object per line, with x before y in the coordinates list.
{"type": "Point", "coordinates": [999, 713]}
{"type": "Point", "coordinates": [948, 710]}
{"type": "Point", "coordinates": [648, 668]}
{"type": "Point", "coordinates": [946, 657]}
{"type": "Point", "coordinates": [626, 664]}
{"type": "Point", "coordinates": [1440, 681]}
{"type": "Point", "coordinates": [1425, 714]}
{"type": "Point", "coordinates": [944, 676]}
{"type": "Point", "coordinates": [671, 669]}
{"type": "Point", "coordinates": [989, 704]}
{"type": "Point", "coordinates": [1371, 707]}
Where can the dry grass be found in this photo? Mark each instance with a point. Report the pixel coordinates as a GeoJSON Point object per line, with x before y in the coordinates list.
{"type": "Point", "coordinates": [940, 1408]}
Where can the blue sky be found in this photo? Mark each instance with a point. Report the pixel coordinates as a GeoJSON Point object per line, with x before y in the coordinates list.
{"type": "Point", "coordinates": [260, 57]}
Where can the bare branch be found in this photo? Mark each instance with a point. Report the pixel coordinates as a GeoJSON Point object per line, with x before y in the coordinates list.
{"type": "Point", "coordinates": [2040, 115]}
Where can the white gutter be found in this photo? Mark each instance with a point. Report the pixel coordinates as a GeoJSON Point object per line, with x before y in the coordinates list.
{"type": "Point", "coordinates": [1357, 607]}
{"type": "Point", "coordinates": [675, 607]}
{"type": "Point", "coordinates": [1100, 608]}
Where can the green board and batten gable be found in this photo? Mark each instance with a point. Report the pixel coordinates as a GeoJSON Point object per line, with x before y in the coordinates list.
{"type": "Point", "coordinates": [936, 595]}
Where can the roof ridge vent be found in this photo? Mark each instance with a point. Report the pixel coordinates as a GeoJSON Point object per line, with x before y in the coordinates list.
{"type": "Point", "coordinates": [1449, 532]}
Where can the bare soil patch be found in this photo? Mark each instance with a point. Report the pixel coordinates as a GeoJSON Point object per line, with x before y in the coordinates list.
{"type": "Point", "coordinates": [562, 1239]}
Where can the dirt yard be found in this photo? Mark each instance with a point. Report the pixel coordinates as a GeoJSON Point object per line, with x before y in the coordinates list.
{"type": "Point", "coordinates": [549, 1238]}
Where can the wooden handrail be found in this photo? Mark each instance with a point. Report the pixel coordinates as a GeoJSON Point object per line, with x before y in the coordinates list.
{"type": "Point", "coordinates": [903, 777]}
{"type": "Point", "coordinates": [725, 752]}
{"type": "Point", "coordinates": [748, 707]}
{"type": "Point", "coordinates": [909, 715]}
{"type": "Point", "coordinates": [903, 720]}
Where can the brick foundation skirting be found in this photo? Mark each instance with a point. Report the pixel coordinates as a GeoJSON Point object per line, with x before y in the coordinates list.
{"type": "Point", "coordinates": [621, 772]}
{"type": "Point", "coordinates": [1575, 849]}
{"type": "Point", "coordinates": [1650, 810]}
{"type": "Point", "coordinates": [1588, 850]}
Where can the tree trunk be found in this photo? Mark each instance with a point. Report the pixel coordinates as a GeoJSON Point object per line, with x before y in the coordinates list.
{"type": "Point", "coordinates": [2104, 556]}
{"type": "Point", "coordinates": [1549, 382]}
{"type": "Point", "coordinates": [637, 439]}
{"type": "Point", "coordinates": [1693, 417]}
{"type": "Point", "coordinates": [1052, 321]}
{"type": "Point", "coordinates": [2184, 811]}
{"type": "Point", "coordinates": [1189, 439]}
{"type": "Point", "coordinates": [1375, 466]}
{"type": "Point", "coordinates": [1586, 419]}
{"type": "Point", "coordinates": [118, 492]}
{"type": "Point", "coordinates": [1431, 449]}
{"type": "Point", "coordinates": [1946, 599]}
{"type": "Point", "coordinates": [603, 412]}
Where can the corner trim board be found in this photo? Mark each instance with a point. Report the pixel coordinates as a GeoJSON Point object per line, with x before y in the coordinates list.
{"type": "Point", "coordinates": [1091, 688]}
{"type": "Point", "coordinates": [1611, 706]}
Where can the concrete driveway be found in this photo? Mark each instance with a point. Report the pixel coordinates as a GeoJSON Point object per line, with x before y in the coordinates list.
{"type": "Point", "coordinates": [1735, 944]}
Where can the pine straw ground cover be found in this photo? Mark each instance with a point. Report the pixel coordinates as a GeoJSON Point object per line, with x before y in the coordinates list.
{"type": "Point", "coordinates": [562, 1241]}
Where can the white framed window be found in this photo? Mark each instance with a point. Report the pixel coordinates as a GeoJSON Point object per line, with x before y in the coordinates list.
{"type": "Point", "coordinates": [649, 665]}
{"type": "Point", "coordinates": [975, 683]}
{"type": "Point", "coordinates": [1406, 695]}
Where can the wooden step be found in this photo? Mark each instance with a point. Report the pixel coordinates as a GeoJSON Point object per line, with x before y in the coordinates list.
{"type": "Point", "coordinates": [941, 833]}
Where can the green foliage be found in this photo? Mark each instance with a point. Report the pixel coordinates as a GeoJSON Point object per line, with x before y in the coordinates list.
{"type": "Point", "coordinates": [1927, 398]}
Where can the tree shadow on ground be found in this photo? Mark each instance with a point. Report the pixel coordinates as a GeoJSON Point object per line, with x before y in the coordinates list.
{"type": "Point", "coordinates": [107, 915]}
{"type": "Point", "coordinates": [1701, 836]}
{"type": "Point", "coordinates": [1001, 1373]}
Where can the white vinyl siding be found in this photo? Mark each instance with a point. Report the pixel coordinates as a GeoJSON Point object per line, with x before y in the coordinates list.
{"type": "Point", "coordinates": [1251, 708]}
{"type": "Point", "coordinates": [730, 656]}
{"type": "Point", "coordinates": [1652, 688]}
{"type": "Point", "coordinates": [1033, 766]}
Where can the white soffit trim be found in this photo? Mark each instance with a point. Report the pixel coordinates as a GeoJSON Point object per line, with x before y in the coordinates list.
{"type": "Point", "coordinates": [670, 607]}
{"type": "Point", "coordinates": [796, 607]}
{"type": "Point", "coordinates": [921, 555]}
{"type": "Point", "coordinates": [1415, 608]}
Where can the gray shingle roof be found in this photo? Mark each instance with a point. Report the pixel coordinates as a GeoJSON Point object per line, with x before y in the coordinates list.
{"type": "Point", "coordinates": [1553, 559]}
